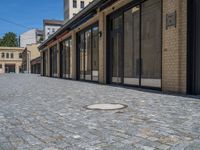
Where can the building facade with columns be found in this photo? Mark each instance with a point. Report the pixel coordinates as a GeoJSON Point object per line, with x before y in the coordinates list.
{"type": "Point", "coordinates": [141, 43]}
{"type": "Point", "coordinates": [10, 59]}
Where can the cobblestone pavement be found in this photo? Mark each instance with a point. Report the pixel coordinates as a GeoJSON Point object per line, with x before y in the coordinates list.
{"type": "Point", "coordinates": [48, 114]}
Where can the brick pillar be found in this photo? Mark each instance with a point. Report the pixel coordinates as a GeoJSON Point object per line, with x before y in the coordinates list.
{"type": "Point", "coordinates": [174, 47]}
{"type": "Point", "coordinates": [3, 68]}
{"type": "Point", "coordinates": [17, 68]}
{"type": "Point", "coordinates": [74, 72]}
{"type": "Point", "coordinates": [102, 49]}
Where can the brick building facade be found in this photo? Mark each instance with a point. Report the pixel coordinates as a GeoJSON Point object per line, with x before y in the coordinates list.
{"type": "Point", "coordinates": [142, 43]}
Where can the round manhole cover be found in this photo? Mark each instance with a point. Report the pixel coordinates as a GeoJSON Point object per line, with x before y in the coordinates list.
{"type": "Point", "coordinates": [106, 106]}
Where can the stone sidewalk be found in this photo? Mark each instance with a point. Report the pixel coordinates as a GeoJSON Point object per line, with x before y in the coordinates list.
{"type": "Point", "coordinates": [38, 113]}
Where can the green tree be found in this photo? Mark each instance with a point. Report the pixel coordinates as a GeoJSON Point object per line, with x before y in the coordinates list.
{"type": "Point", "coordinates": [9, 40]}
{"type": "Point", "coordinates": [41, 39]}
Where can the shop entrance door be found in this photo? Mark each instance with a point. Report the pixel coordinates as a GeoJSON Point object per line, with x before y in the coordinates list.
{"type": "Point", "coordinates": [194, 47]}
{"type": "Point", "coordinates": [116, 48]}
{"type": "Point", "coordinates": [9, 68]}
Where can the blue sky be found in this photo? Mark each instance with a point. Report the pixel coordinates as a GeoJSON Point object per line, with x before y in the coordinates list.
{"type": "Point", "coordinates": [29, 13]}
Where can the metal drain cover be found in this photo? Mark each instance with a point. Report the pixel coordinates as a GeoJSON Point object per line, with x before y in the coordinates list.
{"type": "Point", "coordinates": [106, 106]}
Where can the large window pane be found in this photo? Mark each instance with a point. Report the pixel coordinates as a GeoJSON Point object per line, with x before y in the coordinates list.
{"type": "Point", "coordinates": [116, 49]}
{"type": "Point", "coordinates": [82, 53]}
{"type": "Point", "coordinates": [95, 54]}
{"type": "Point", "coordinates": [70, 58]}
{"type": "Point", "coordinates": [89, 49]}
{"type": "Point", "coordinates": [63, 59]}
{"type": "Point", "coordinates": [88, 55]}
{"type": "Point", "coordinates": [68, 49]}
{"type": "Point", "coordinates": [66, 58]}
{"type": "Point", "coordinates": [132, 46]}
{"type": "Point", "coordinates": [151, 43]}
{"type": "Point", "coordinates": [54, 61]}
{"type": "Point", "coordinates": [45, 62]}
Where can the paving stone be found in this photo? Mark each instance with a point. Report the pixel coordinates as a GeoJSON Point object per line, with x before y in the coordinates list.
{"type": "Point", "coordinates": [7, 146]}
{"type": "Point", "coordinates": [50, 148]}
{"type": "Point", "coordinates": [49, 114]}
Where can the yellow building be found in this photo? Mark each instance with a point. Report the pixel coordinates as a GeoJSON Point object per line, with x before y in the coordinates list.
{"type": "Point", "coordinates": [10, 59]}
{"type": "Point", "coordinates": [30, 53]}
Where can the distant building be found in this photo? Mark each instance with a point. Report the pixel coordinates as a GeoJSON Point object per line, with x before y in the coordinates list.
{"type": "Point", "coordinates": [51, 26]}
{"type": "Point", "coordinates": [32, 36]}
{"type": "Point", "coordinates": [72, 7]}
{"type": "Point", "coordinates": [30, 52]}
{"type": "Point", "coordinates": [10, 59]}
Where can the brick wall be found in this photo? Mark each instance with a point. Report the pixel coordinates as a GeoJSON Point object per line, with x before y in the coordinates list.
{"type": "Point", "coordinates": [174, 47]}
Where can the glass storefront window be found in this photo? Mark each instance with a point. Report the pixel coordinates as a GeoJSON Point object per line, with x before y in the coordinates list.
{"type": "Point", "coordinates": [70, 58]}
{"type": "Point", "coordinates": [63, 59]}
{"type": "Point", "coordinates": [53, 51]}
{"type": "Point", "coordinates": [117, 49]}
{"type": "Point", "coordinates": [66, 59]}
{"type": "Point", "coordinates": [132, 46]}
{"type": "Point", "coordinates": [135, 45]}
{"type": "Point", "coordinates": [82, 54]}
{"type": "Point", "coordinates": [88, 54]}
{"type": "Point", "coordinates": [45, 60]}
{"type": "Point", "coordinates": [151, 43]}
{"type": "Point", "coordinates": [95, 53]}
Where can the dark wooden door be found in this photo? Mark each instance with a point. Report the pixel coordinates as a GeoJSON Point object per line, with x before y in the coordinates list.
{"type": "Point", "coordinates": [194, 47]}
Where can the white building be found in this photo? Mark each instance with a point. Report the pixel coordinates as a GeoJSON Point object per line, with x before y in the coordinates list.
{"type": "Point", "coordinates": [72, 7]}
{"type": "Point", "coordinates": [32, 36]}
{"type": "Point", "coordinates": [51, 26]}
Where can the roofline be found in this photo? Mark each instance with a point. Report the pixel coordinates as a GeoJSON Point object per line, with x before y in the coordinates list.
{"type": "Point", "coordinates": [39, 57]}
{"type": "Point", "coordinates": [93, 5]}
{"type": "Point", "coordinates": [12, 48]}
{"type": "Point", "coordinates": [30, 30]}
{"type": "Point", "coordinates": [53, 22]}
{"type": "Point", "coordinates": [33, 44]}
